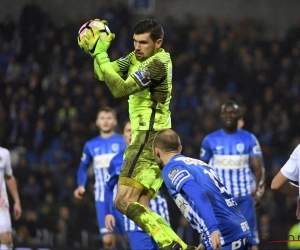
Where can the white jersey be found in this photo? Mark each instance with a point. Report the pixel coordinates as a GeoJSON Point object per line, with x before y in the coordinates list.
{"type": "Point", "coordinates": [5, 169]}
{"type": "Point", "coordinates": [291, 168]}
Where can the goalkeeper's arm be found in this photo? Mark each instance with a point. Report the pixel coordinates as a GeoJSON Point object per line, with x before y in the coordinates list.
{"type": "Point", "coordinates": [135, 82]}
{"type": "Point", "coordinates": [98, 72]}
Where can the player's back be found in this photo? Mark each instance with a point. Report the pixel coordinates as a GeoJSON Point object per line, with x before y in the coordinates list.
{"type": "Point", "coordinates": [229, 155]}
{"type": "Point", "coordinates": [231, 222]}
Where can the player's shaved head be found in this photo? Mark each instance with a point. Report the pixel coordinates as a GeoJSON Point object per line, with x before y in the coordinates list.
{"type": "Point", "coordinates": [231, 103]}
{"type": "Point", "coordinates": [167, 140]}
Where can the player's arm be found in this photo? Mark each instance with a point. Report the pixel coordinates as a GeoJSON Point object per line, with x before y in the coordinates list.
{"type": "Point", "coordinates": [258, 170]}
{"type": "Point", "coordinates": [205, 208]}
{"type": "Point", "coordinates": [145, 77]}
{"type": "Point", "coordinates": [82, 173]}
{"type": "Point", "coordinates": [283, 185]}
{"type": "Point", "coordinates": [202, 203]}
{"type": "Point", "coordinates": [290, 171]}
{"type": "Point", "coordinates": [120, 66]}
{"type": "Point", "coordinates": [205, 150]}
{"type": "Point", "coordinates": [13, 189]}
{"type": "Point", "coordinates": [111, 181]}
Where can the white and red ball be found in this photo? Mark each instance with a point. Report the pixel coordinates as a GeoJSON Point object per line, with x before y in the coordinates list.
{"type": "Point", "coordinates": [104, 30]}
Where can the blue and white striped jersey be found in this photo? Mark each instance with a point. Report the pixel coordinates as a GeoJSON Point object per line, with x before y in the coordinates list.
{"type": "Point", "coordinates": [229, 155]}
{"type": "Point", "coordinates": [200, 214]}
{"type": "Point", "coordinates": [99, 151]}
{"type": "Point", "coordinates": [157, 205]}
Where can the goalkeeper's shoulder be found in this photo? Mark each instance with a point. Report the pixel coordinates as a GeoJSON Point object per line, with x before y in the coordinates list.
{"type": "Point", "coordinates": [125, 61]}
{"type": "Point", "coordinates": [159, 64]}
{"type": "Point", "coordinates": [162, 56]}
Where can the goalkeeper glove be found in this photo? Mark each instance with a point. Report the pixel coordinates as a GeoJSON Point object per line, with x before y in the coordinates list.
{"type": "Point", "coordinates": [91, 42]}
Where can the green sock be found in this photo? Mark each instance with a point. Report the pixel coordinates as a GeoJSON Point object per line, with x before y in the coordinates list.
{"type": "Point", "coordinates": [167, 229]}
{"type": "Point", "coordinates": [144, 219]}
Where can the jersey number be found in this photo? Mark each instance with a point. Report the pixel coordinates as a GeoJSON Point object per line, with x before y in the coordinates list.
{"type": "Point", "coordinates": [212, 174]}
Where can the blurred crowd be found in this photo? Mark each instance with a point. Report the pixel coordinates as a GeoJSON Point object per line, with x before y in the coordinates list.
{"type": "Point", "coordinates": [49, 99]}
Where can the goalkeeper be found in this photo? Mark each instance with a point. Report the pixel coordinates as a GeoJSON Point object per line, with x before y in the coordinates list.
{"type": "Point", "coordinates": [148, 85]}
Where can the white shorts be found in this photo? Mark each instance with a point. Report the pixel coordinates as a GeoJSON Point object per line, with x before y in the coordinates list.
{"type": "Point", "coordinates": [5, 221]}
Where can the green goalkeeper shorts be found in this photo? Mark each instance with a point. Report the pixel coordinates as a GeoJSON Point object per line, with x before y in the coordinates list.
{"type": "Point", "coordinates": [139, 169]}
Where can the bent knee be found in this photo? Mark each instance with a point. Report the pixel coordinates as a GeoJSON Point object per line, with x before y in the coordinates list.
{"type": "Point", "coordinates": [120, 205]}
{"type": "Point", "coordinates": [5, 238]}
{"type": "Point", "coordinates": [109, 241]}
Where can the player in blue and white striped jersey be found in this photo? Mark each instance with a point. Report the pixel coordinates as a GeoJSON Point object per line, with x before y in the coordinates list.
{"type": "Point", "coordinates": [137, 238]}
{"type": "Point", "coordinates": [99, 151]}
{"type": "Point", "coordinates": [199, 194]}
{"type": "Point", "coordinates": [236, 157]}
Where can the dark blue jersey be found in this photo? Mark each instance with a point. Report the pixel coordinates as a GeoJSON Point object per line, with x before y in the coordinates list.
{"type": "Point", "coordinates": [204, 200]}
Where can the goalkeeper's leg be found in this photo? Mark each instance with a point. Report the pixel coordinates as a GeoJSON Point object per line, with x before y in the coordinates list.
{"type": "Point", "coordinates": [140, 214]}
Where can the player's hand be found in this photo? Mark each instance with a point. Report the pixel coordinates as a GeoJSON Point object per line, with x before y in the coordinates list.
{"type": "Point", "coordinates": [200, 247]}
{"type": "Point", "coordinates": [215, 240]}
{"type": "Point", "coordinates": [91, 42]}
{"type": "Point", "coordinates": [78, 193]}
{"type": "Point", "coordinates": [17, 210]}
{"type": "Point", "coordinates": [257, 194]}
{"type": "Point", "coordinates": [110, 222]}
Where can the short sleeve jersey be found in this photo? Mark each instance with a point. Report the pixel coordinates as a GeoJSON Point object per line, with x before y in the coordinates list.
{"type": "Point", "coordinates": [149, 108]}
{"type": "Point", "coordinates": [5, 169]}
{"type": "Point", "coordinates": [229, 155]}
{"type": "Point", "coordinates": [99, 151]}
{"type": "Point", "coordinates": [231, 223]}
{"type": "Point", "coordinates": [291, 168]}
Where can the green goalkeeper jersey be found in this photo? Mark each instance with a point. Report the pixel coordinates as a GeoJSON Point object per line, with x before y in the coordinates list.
{"type": "Point", "coordinates": [148, 85]}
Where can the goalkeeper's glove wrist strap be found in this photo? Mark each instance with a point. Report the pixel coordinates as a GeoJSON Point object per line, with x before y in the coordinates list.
{"type": "Point", "coordinates": [102, 58]}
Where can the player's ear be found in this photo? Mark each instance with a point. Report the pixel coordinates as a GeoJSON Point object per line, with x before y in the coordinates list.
{"type": "Point", "coordinates": [180, 148]}
{"type": "Point", "coordinates": [158, 43]}
{"type": "Point", "coordinates": [156, 152]}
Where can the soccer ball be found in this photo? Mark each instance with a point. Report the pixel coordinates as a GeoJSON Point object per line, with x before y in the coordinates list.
{"type": "Point", "coordinates": [104, 30]}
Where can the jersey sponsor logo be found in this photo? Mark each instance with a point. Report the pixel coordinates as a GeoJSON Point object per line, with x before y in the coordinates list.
{"type": "Point", "coordinates": [256, 150]}
{"type": "Point", "coordinates": [83, 157]}
{"type": "Point", "coordinates": [240, 147]}
{"type": "Point", "coordinates": [219, 147]}
{"type": "Point", "coordinates": [231, 161]}
{"type": "Point", "coordinates": [97, 149]}
{"type": "Point", "coordinates": [103, 161]}
{"type": "Point", "coordinates": [143, 77]}
{"type": "Point", "coordinates": [179, 177]}
{"type": "Point", "coordinates": [115, 147]}
{"type": "Point", "coordinates": [172, 173]}
{"type": "Point", "coordinates": [183, 205]}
